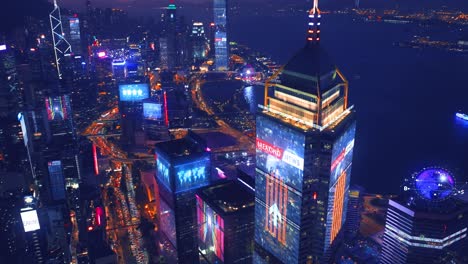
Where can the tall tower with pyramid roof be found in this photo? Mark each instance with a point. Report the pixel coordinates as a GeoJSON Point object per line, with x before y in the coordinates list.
{"type": "Point", "coordinates": [304, 146]}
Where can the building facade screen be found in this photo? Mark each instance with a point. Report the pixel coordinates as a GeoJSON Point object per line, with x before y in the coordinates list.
{"type": "Point", "coordinates": [133, 92]}
{"type": "Point", "coordinates": [340, 172]}
{"type": "Point", "coordinates": [280, 152]}
{"type": "Point", "coordinates": [57, 181]}
{"type": "Point", "coordinates": [30, 220]}
{"type": "Point", "coordinates": [277, 217]}
{"type": "Point", "coordinates": [210, 232]}
{"type": "Point", "coordinates": [152, 111]}
{"type": "Point", "coordinates": [342, 153]}
{"type": "Point", "coordinates": [162, 171]}
{"type": "Point", "coordinates": [192, 175]}
{"type": "Point", "coordinates": [167, 222]}
{"type": "Point", "coordinates": [58, 107]}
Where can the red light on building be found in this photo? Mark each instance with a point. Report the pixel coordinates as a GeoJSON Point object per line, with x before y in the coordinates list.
{"type": "Point", "coordinates": [96, 165]}
{"type": "Point", "coordinates": [314, 196]}
{"type": "Point", "coordinates": [90, 228]}
{"type": "Point", "coordinates": [98, 215]}
{"type": "Point", "coordinates": [166, 115]}
{"type": "Point", "coordinates": [338, 201]}
{"type": "Point", "coordinates": [212, 24]}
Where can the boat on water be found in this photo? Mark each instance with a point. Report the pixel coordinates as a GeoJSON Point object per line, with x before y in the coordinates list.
{"type": "Point", "coordinates": [462, 116]}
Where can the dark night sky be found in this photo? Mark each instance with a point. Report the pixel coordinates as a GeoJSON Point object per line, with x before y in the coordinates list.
{"type": "Point", "coordinates": [148, 6]}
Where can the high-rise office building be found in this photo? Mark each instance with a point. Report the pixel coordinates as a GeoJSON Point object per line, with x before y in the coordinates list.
{"type": "Point", "coordinates": [221, 43]}
{"type": "Point", "coordinates": [199, 42]}
{"type": "Point", "coordinates": [225, 219]}
{"type": "Point", "coordinates": [183, 166]}
{"type": "Point", "coordinates": [355, 208]}
{"type": "Point", "coordinates": [305, 140]}
{"type": "Point", "coordinates": [428, 223]}
{"type": "Point", "coordinates": [131, 96]}
{"type": "Point", "coordinates": [73, 33]}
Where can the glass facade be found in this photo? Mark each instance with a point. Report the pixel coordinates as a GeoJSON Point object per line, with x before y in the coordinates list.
{"type": "Point", "coordinates": [167, 222]}
{"type": "Point", "coordinates": [57, 181]}
{"type": "Point", "coordinates": [221, 42]}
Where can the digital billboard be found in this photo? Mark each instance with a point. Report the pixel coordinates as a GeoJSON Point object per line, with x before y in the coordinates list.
{"type": "Point", "coordinates": [133, 92]}
{"type": "Point", "coordinates": [342, 153]}
{"type": "Point", "coordinates": [167, 222]}
{"type": "Point", "coordinates": [162, 170]}
{"type": "Point", "coordinates": [192, 175]}
{"type": "Point", "coordinates": [280, 151]}
{"type": "Point", "coordinates": [56, 179]}
{"type": "Point", "coordinates": [58, 107]}
{"type": "Point", "coordinates": [277, 217]}
{"type": "Point", "coordinates": [340, 172]}
{"type": "Point", "coordinates": [30, 220]}
{"type": "Point", "coordinates": [210, 232]}
{"type": "Point", "coordinates": [152, 111]}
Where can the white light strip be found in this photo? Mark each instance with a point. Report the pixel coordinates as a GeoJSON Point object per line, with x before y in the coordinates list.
{"type": "Point", "coordinates": [436, 240]}
{"type": "Point", "coordinates": [243, 182]}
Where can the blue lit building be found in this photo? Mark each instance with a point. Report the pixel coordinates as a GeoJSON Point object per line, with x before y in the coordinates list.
{"type": "Point", "coordinates": [304, 151]}
{"type": "Point", "coordinates": [428, 223]}
{"type": "Point", "coordinates": [221, 43]}
{"type": "Point", "coordinates": [182, 167]}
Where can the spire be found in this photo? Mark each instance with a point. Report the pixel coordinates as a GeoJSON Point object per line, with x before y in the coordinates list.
{"type": "Point", "coordinates": [313, 31]}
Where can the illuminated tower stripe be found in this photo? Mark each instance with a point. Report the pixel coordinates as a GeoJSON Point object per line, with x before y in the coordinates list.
{"type": "Point", "coordinates": [338, 206]}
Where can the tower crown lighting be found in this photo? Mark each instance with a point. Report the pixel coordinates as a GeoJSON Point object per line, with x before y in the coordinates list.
{"type": "Point", "coordinates": [313, 31]}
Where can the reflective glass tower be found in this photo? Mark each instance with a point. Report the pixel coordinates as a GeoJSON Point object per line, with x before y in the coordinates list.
{"type": "Point", "coordinates": [221, 41]}
{"type": "Point", "coordinates": [304, 145]}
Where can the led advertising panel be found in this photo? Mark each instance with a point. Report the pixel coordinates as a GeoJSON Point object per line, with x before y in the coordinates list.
{"type": "Point", "coordinates": [280, 151]}
{"type": "Point", "coordinates": [58, 107]}
{"type": "Point", "coordinates": [210, 232]}
{"type": "Point", "coordinates": [342, 153]}
{"type": "Point", "coordinates": [192, 175]}
{"type": "Point", "coordinates": [336, 216]}
{"type": "Point", "coordinates": [133, 92]}
{"type": "Point", "coordinates": [57, 181]}
{"type": "Point", "coordinates": [277, 217]}
{"type": "Point", "coordinates": [162, 170]}
{"type": "Point", "coordinates": [152, 111]}
{"type": "Point", "coordinates": [167, 222]}
{"type": "Point", "coordinates": [30, 220]}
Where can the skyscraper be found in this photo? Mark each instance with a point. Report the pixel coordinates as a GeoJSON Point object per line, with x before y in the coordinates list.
{"type": "Point", "coordinates": [183, 166]}
{"type": "Point", "coordinates": [199, 43]}
{"type": "Point", "coordinates": [221, 40]}
{"type": "Point", "coordinates": [225, 218]}
{"type": "Point", "coordinates": [305, 140]}
{"type": "Point", "coordinates": [427, 224]}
